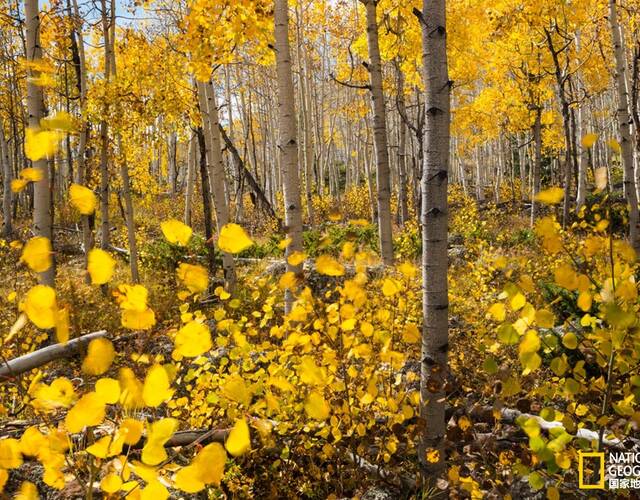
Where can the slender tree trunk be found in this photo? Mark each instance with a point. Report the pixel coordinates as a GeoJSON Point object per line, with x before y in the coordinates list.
{"type": "Point", "coordinates": [78, 56]}
{"type": "Point", "coordinates": [192, 157]}
{"type": "Point", "coordinates": [105, 239]}
{"type": "Point", "coordinates": [7, 194]}
{"type": "Point", "coordinates": [287, 140]}
{"type": "Point", "coordinates": [623, 127]}
{"type": "Point", "coordinates": [537, 162]}
{"type": "Point", "coordinates": [435, 333]}
{"type": "Point", "coordinates": [130, 220]}
{"type": "Point", "coordinates": [380, 135]}
{"type": "Point", "coordinates": [206, 196]}
{"type": "Point", "coordinates": [42, 213]}
{"type": "Point", "coordinates": [402, 149]}
{"type": "Point", "coordinates": [217, 179]}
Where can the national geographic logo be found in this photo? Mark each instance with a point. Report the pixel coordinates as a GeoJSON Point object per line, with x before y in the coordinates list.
{"type": "Point", "coordinates": [613, 470]}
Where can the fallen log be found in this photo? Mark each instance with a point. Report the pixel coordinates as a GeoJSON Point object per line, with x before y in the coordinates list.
{"type": "Point", "coordinates": [45, 355]}
{"type": "Point", "coordinates": [509, 416]}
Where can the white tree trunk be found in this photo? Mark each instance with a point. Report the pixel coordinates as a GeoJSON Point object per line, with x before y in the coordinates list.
{"type": "Point", "coordinates": [287, 140]}
{"type": "Point", "coordinates": [42, 213]}
{"type": "Point", "coordinates": [623, 127]}
{"type": "Point", "coordinates": [379, 135]}
{"type": "Point", "coordinates": [435, 333]}
{"type": "Point", "coordinates": [7, 194]}
{"type": "Point", "coordinates": [217, 179]}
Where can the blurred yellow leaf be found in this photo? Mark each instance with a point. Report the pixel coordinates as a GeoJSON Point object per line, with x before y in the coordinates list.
{"type": "Point", "coordinates": [233, 239]}
{"type": "Point", "coordinates": [83, 199]}
{"type": "Point", "coordinates": [37, 254]}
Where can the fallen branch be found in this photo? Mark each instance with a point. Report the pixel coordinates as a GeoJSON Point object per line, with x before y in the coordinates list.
{"type": "Point", "coordinates": [43, 356]}
{"type": "Point", "coordinates": [509, 416]}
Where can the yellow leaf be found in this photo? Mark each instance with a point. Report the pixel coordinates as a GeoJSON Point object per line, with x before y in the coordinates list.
{"type": "Point", "coordinates": [551, 196]}
{"type": "Point", "coordinates": [100, 266]}
{"type": "Point", "coordinates": [18, 185]}
{"type": "Point", "coordinates": [296, 258]}
{"type": "Point", "coordinates": [566, 277]}
{"type": "Point", "coordinates": [310, 373]}
{"type": "Point", "coordinates": [87, 412]}
{"type": "Point", "coordinates": [589, 140]}
{"type": "Point", "coordinates": [584, 301]}
{"type": "Point", "coordinates": [138, 320]}
{"type": "Point", "coordinates": [39, 144]}
{"type": "Point", "coordinates": [238, 442]}
{"type": "Point", "coordinates": [135, 297]}
{"type": "Point", "coordinates": [83, 199]}
{"type": "Point", "coordinates": [100, 354]}
{"type": "Point", "coordinates": [236, 389]}
{"type": "Point", "coordinates": [210, 462]}
{"type": "Point", "coordinates": [316, 406]}
{"type": "Point", "coordinates": [176, 232]}
{"type": "Point", "coordinates": [329, 266]}
{"type": "Point", "coordinates": [131, 430]}
{"type": "Point", "coordinates": [159, 433]}
{"type": "Point", "coordinates": [108, 389]}
{"type": "Point", "coordinates": [62, 325]}
{"type": "Point", "coordinates": [517, 302]}
{"type": "Point", "coordinates": [130, 389]}
{"type": "Point", "coordinates": [188, 480]}
{"type": "Point", "coordinates": [545, 318]}
{"type": "Point", "coordinates": [37, 254]}
{"type": "Point", "coordinates": [411, 334]}
{"type": "Point", "coordinates": [100, 449]}
{"type": "Point", "coordinates": [530, 342]}
{"type": "Point", "coordinates": [287, 280]}
{"type": "Point", "coordinates": [155, 490]}
{"type": "Point", "coordinates": [432, 455]}
{"type": "Point", "coordinates": [498, 311]}
{"type": "Point", "coordinates": [614, 145]}
{"type": "Point", "coordinates": [193, 339]}
{"type": "Point", "coordinates": [10, 454]}
{"type": "Point", "coordinates": [31, 174]}
{"type": "Point", "coordinates": [464, 423]}
{"type": "Point", "coordinates": [111, 483]}
{"type": "Point", "coordinates": [156, 387]}
{"type": "Point", "coordinates": [59, 394]}
{"type": "Point", "coordinates": [60, 121]}
{"type": "Point", "coordinates": [569, 340]}
{"type": "Point", "coordinates": [389, 287]}
{"type": "Point", "coordinates": [284, 243]}
{"type": "Point", "coordinates": [233, 239]}
{"type": "Point", "coordinates": [194, 277]}
{"type": "Point", "coordinates": [32, 442]}
{"type": "Point", "coordinates": [40, 306]}
{"type": "Point", "coordinates": [28, 491]}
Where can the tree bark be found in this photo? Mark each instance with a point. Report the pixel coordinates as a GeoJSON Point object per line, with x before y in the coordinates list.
{"type": "Point", "coordinates": [287, 139]}
{"type": "Point", "coordinates": [435, 333]}
{"type": "Point", "coordinates": [217, 180]}
{"type": "Point", "coordinates": [537, 162]}
{"type": "Point", "coordinates": [42, 213]}
{"type": "Point", "coordinates": [7, 194]}
{"type": "Point", "coordinates": [192, 157]}
{"type": "Point", "coordinates": [380, 135]}
{"type": "Point", "coordinates": [623, 127]}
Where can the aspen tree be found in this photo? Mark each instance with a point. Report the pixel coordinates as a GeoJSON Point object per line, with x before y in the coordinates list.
{"type": "Point", "coordinates": [434, 218]}
{"type": "Point", "coordinates": [42, 209]}
{"type": "Point", "coordinates": [287, 140]}
{"type": "Point", "coordinates": [379, 134]}
{"type": "Point", "coordinates": [623, 126]}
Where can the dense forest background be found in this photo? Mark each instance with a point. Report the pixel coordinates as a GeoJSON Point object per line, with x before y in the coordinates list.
{"type": "Point", "coordinates": [318, 249]}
